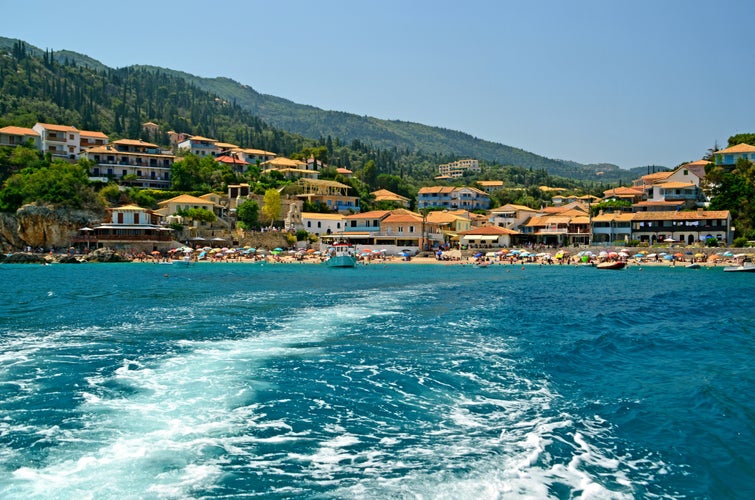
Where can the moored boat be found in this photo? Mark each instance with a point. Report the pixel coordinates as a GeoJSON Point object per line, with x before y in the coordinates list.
{"type": "Point", "coordinates": [694, 265]}
{"type": "Point", "coordinates": [611, 265]}
{"type": "Point", "coordinates": [341, 255]}
{"type": "Point", "coordinates": [747, 267]}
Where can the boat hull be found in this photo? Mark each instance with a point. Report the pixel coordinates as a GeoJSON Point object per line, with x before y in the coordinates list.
{"type": "Point", "coordinates": [342, 261]}
{"type": "Point", "coordinates": [739, 269]}
{"type": "Point", "coordinates": [614, 266]}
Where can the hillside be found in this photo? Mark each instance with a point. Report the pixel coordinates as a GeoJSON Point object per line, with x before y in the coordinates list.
{"type": "Point", "coordinates": [117, 100]}
{"type": "Point", "coordinates": [310, 121]}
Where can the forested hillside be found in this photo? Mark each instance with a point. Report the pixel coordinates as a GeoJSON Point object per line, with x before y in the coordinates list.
{"type": "Point", "coordinates": [198, 105]}
{"type": "Point", "coordinates": [310, 121]}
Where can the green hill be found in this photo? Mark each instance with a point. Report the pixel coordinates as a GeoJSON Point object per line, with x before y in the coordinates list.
{"type": "Point", "coordinates": [310, 121]}
{"type": "Point", "coordinates": [67, 87]}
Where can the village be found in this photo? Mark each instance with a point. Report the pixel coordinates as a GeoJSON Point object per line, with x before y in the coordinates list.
{"type": "Point", "coordinates": [667, 207]}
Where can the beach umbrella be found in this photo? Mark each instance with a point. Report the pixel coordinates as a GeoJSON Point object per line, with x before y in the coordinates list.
{"type": "Point", "coordinates": [478, 255]}
{"type": "Point", "coordinates": [679, 255]}
{"type": "Point", "coordinates": [728, 254]}
{"type": "Point", "coordinates": [668, 257]}
{"type": "Point", "coordinates": [639, 255]}
{"type": "Point", "coordinates": [698, 255]}
{"type": "Point", "coordinates": [623, 254]}
{"type": "Point", "coordinates": [603, 253]}
{"type": "Point", "coordinates": [651, 255]}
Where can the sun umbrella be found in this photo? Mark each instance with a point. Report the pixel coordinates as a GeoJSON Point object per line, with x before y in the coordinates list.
{"type": "Point", "coordinates": [668, 257]}
{"type": "Point", "coordinates": [639, 255]}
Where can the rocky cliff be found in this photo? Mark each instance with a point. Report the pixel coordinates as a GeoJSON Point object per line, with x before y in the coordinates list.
{"type": "Point", "coordinates": [43, 226]}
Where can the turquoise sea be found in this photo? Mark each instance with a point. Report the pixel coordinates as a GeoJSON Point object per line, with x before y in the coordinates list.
{"type": "Point", "coordinates": [400, 381]}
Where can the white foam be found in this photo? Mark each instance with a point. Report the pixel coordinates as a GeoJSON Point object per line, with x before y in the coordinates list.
{"type": "Point", "coordinates": [151, 441]}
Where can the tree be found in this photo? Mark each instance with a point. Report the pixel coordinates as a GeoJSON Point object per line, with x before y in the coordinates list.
{"type": "Point", "coordinates": [248, 214]}
{"type": "Point", "coordinates": [271, 207]}
{"type": "Point", "coordinates": [733, 189]}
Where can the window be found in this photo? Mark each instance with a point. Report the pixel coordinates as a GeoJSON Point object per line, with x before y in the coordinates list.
{"type": "Point", "coordinates": [309, 223]}
{"type": "Point", "coordinates": [319, 224]}
{"type": "Point", "coordinates": [136, 218]}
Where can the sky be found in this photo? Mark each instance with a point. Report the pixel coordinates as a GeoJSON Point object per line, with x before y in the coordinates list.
{"type": "Point", "coordinates": [646, 82]}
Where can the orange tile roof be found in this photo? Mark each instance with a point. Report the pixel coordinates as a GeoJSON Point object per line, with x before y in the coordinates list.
{"type": "Point", "coordinates": [674, 215]}
{"type": "Point", "coordinates": [488, 230]}
{"type": "Point", "coordinates": [402, 217]}
{"type": "Point", "coordinates": [649, 178]}
{"type": "Point", "coordinates": [200, 138]}
{"type": "Point", "coordinates": [58, 128]}
{"type": "Point", "coordinates": [11, 130]}
{"type": "Point", "coordinates": [737, 148]}
{"type": "Point", "coordinates": [186, 198]}
{"type": "Point", "coordinates": [373, 214]}
{"type": "Point", "coordinates": [283, 162]}
{"type": "Point", "coordinates": [90, 133]}
{"type": "Point", "coordinates": [436, 189]}
{"type": "Point", "coordinates": [676, 185]}
{"type": "Point", "coordinates": [135, 142]}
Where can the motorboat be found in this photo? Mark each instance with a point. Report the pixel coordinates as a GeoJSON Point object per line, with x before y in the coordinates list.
{"type": "Point", "coordinates": [341, 255]}
{"type": "Point", "coordinates": [745, 267]}
{"type": "Point", "coordinates": [613, 265]}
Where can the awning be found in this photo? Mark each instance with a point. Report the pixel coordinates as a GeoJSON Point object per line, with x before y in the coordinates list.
{"type": "Point", "coordinates": [482, 237]}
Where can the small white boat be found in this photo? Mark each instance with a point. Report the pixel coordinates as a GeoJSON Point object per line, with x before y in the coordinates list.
{"type": "Point", "coordinates": [747, 267]}
{"type": "Point", "coordinates": [341, 255]}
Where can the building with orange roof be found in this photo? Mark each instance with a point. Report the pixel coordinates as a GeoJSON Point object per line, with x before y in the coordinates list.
{"type": "Point", "coordinates": [687, 227]}
{"type": "Point", "coordinates": [234, 162]}
{"type": "Point", "coordinates": [490, 186]}
{"type": "Point", "coordinates": [90, 139]}
{"type": "Point", "coordinates": [383, 195]}
{"type": "Point", "coordinates": [200, 146]}
{"type": "Point", "coordinates": [58, 140]}
{"type": "Point", "coordinates": [610, 228]}
{"type": "Point", "coordinates": [331, 194]}
{"type": "Point", "coordinates": [511, 216]}
{"type": "Point", "coordinates": [15, 136]}
{"type": "Point", "coordinates": [252, 156]}
{"type": "Point", "coordinates": [185, 202]}
{"type": "Point", "coordinates": [137, 162]}
{"type": "Point", "coordinates": [487, 237]}
{"type": "Point", "coordinates": [570, 227]}
{"type": "Point", "coordinates": [130, 228]}
{"type": "Point", "coordinates": [679, 185]}
{"type": "Point", "coordinates": [730, 155]}
{"type": "Point", "coordinates": [631, 194]}
{"type": "Point", "coordinates": [452, 198]}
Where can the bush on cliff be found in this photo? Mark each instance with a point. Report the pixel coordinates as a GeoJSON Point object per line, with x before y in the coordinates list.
{"type": "Point", "coordinates": [59, 183]}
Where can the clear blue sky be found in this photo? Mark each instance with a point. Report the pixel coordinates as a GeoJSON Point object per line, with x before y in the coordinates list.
{"type": "Point", "coordinates": [627, 82]}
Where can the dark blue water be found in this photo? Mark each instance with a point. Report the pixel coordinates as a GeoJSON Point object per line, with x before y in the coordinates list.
{"type": "Point", "coordinates": [401, 381]}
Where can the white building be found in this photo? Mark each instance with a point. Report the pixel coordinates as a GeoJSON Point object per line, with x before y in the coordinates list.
{"type": "Point", "coordinates": [457, 168]}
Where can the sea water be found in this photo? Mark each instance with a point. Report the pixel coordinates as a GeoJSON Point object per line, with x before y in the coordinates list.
{"type": "Point", "coordinates": [383, 381]}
